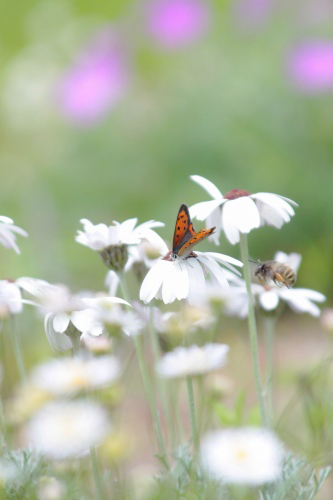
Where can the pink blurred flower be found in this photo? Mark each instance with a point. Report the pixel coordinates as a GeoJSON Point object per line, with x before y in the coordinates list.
{"type": "Point", "coordinates": [310, 66]}
{"type": "Point", "coordinates": [252, 14]}
{"type": "Point", "coordinates": [95, 82]}
{"type": "Point", "coordinates": [176, 23]}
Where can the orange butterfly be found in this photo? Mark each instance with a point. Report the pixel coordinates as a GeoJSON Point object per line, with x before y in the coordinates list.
{"type": "Point", "coordinates": [185, 236]}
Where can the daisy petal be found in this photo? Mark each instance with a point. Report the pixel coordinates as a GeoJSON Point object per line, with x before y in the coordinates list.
{"type": "Point", "coordinates": [215, 270]}
{"type": "Point", "coordinates": [203, 209]}
{"type": "Point", "coordinates": [197, 283]}
{"type": "Point", "coordinates": [61, 322]}
{"type": "Point", "coordinates": [207, 185]}
{"type": "Point", "coordinates": [153, 280]}
{"type": "Point", "coordinates": [269, 300]}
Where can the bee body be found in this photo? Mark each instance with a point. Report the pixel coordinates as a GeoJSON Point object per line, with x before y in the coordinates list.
{"type": "Point", "coordinates": [279, 273]}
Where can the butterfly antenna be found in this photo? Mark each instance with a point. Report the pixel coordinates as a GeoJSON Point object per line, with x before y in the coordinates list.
{"type": "Point", "coordinates": [252, 261]}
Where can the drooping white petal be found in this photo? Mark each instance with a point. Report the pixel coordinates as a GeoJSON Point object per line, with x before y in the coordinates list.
{"type": "Point", "coordinates": [271, 216]}
{"type": "Point", "coordinates": [153, 280]}
{"type": "Point", "coordinates": [203, 209]}
{"type": "Point", "coordinates": [214, 219]}
{"type": "Point", "coordinates": [275, 201]}
{"type": "Point", "coordinates": [181, 280]}
{"type": "Point", "coordinates": [220, 257]}
{"type": "Point", "coordinates": [207, 185]}
{"type": "Point", "coordinates": [269, 300]}
{"type": "Point", "coordinates": [112, 282]}
{"type": "Point", "coordinates": [58, 341]}
{"type": "Point", "coordinates": [215, 270]}
{"type": "Point", "coordinates": [239, 215]}
{"type": "Point", "coordinates": [61, 322]}
{"type": "Point", "coordinates": [197, 283]}
{"type": "Point", "coordinates": [104, 301]}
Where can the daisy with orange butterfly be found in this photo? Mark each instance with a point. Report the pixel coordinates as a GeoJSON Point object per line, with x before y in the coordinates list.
{"type": "Point", "coordinates": [181, 273]}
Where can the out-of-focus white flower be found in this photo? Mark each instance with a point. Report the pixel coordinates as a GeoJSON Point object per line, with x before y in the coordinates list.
{"type": "Point", "coordinates": [63, 311]}
{"type": "Point", "coordinates": [112, 241]}
{"type": "Point", "coordinates": [50, 488]}
{"type": "Point", "coordinates": [245, 456]}
{"type": "Point", "coordinates": [107, 313]}
{"type": "Point", "coordinates": [193, 360]}
{"type": "Point", "coordinates": [239, 211]}
{"type": "Point", "coordinates": [10, 298]}
{"type": "Point", "coordinates": [97, 344]}
{"type": "Point", "coordinates": [71, 375]}
{"type": "Point", "coordinates": [268, 296]}
{"type": "Point", "coordinates": [185, 278]}
{"type": "Point", "coordinates": [100, 236]}
{"type": "Point", "coordinates": [7, 233]}
{"type": "Point", "coordinates": [63, 430]}
{"type": "Point", "coordinates": [191, 319]}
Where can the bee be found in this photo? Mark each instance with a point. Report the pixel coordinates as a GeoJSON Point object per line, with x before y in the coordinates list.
{"type": "Point", "coordinates": [279, 273]}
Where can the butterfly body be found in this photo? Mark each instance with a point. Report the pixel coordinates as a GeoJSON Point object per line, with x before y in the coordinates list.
{"type": "Point", "coordinates": [185, 237]}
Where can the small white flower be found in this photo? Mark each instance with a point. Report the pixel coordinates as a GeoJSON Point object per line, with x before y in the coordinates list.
{"type": "Point", "coordinates": [185, 278]}
{"type": "Point", "coordinates": [300, 300]}
{"type": "Point", "coordinates": [245, 456]}
{"type": "Point", "coordinates": [7, 233]}
{"type": "Point", "coordinates": [240, 211]}
{"type": "Point", "coordinates": [62, 430]}
{"type": "Point", "coordinates": [193, 360]}
{"type": "Point", "coordinates": [71, 375]}
{"type": "Point", "coordinates": [112, 241]}
{"type": "Point", "coordinates": [61, 310]}
{"type": "Point", "coordinates": [10, 298]}
{"type": "Point", "coordinates": [189, 320]}
{"type": "Point", "coordinates": [105, 312]}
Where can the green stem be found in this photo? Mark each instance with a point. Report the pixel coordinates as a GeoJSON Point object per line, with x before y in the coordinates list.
{"type": "Point", "coordinates": [96, 473]}
{"type": "Point", "coordinates": [161, 383]}
{"type": "Point", "coordinates": [151, 400]}
{"type": "Point", "coordinates": [17, 347]}
{"type": "Point", "coordinates": [252, 327]}
{"type": "Point", "coordinates": [146, 380]}
{"type": "Point", "coordinates": [195, 434]}
{"type": "Point", "coordinates": [270, 331]}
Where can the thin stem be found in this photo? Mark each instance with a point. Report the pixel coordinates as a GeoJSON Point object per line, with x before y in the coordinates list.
{"type": "Point", "coordinates": [191, 403]}
{"type": "Point", "coordinates": [195, 435]}
{"type": "Point", "coordinates": [161, 383]}
{"type": "Point", "coordinates": [17, 347]}
{"type": "Point", "coordinates": [270, 331]}
{"type": "Point", "coordinates": [96, 473]}
{"type": "Point", "coordinates": [151, 399]}
{"type": "Point", "coordinates": [252, 327]}
{"type": "Point", "coordinates": [146, 381]}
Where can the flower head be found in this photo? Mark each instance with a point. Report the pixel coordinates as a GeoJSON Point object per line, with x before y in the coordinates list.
{"type": "Point", "coordinates": [96, 81]}
{"type": "Point", "coordinates": [185, 278]}
{"type": "Point", "coordinates": [7, 233]}
{"type": "Point", "coordinates": [63, 430]}
{"type": "Point", "coordinates": [112, 241]}
{"type": "Point", "coordinates": [239, 211]}
{"type": "Point", "coordinates": [176, 23]}
{"type": "Point", "coordinates": [268, 296]}
{"type": "Point", "coordinates": [10, 298]}
{"type": "Point", "coordinates": [244, 456]}
{"type": "Point", "coordinates": [193, 360]}
{"type": "Point", "coordinates": [310, 66]}
{"type": "Point", "coordinates": [71, 375]}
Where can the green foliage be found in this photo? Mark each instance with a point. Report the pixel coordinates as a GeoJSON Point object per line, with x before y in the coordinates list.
{"type": "Point", "coordinates": [27, 469]}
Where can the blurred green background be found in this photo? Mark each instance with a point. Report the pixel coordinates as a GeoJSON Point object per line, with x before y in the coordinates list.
{"type": "Point", "coordinates": [222, 105]}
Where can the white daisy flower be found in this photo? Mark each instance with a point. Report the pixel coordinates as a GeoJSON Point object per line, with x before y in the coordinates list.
{"type": "Point", "coordinates": [62, 430]}
{"type": "Point", "coordinates": [193, 360]}
{"type": "Point", "coordinates": [239, 211]}
{"type": "Point", "coordinates": [106, 313]}
{"type": "Point", "coordinates": [64, 313]}
{"type": "Point", "coordinates": [189, 320]}
{"type": "Point", "coordinates": [248, 456]}
{"type": "Point", "coordinates": [268, 296]}
{"type": "Point", "coordinates": [11, 301]}
{"type": "Point", "coordinates": [112, 241]}
{"type": "Point", "coordinates": [184, 278]}
{"type": "Point", "coordinates": [7, 233]}
{"type": "Point", "coordinates": [71, 375]}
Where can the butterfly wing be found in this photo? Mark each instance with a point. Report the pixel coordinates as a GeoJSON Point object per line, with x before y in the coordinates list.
{"type": "Point", "coordinates": [184, 229]}
{"type": "Point", "coordinates": [187, 246]}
